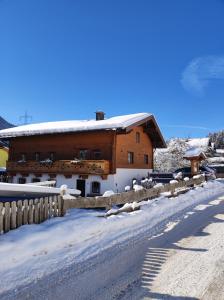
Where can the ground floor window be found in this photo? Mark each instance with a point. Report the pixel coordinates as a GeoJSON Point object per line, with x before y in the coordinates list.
{"type": "Point", "coordinates": [36, 179]}
{"type": "Point", "coordinates": [96, 187]}
{"type": "Point", "coordinates": [22, 180]}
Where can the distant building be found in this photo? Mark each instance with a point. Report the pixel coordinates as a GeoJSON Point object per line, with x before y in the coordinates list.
{"type": "Point", "coordinates": [4, 151]}
{"type": "Point", "coordinates": [3, 144]}
{"type": "Point", "coordinates": [93, 156]}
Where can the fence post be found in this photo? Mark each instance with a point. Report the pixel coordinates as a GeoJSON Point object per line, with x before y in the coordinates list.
{"type": "Point", "coordinates": [50, 207]}
{"type": "Point", "coordinates": [55, 205]}
{"type": "Point", "coordinates": [19, 213]}
{"type": "Point", "coordinates": [13, 215]}
{"type": "Point", "coordinates": [61, 211]}
{"type": "Point", "coordinates": [46, 209]}
{"type": "Point", "coordinates": [25, 212]}
{"type": "Point", "coordinates": [36, 212]}
{"type": "Point", "coordinates": [41, 210]}
{"type": "Point", "coordinates": [30, 213]}
{"type": "Point", "coordinates": [61, 208]}
{"type": "Point", "coordinates": [7, 217]}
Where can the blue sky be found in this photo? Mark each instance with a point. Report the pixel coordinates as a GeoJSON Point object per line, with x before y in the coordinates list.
{"type": "Point", "coordinates": [64, 59]}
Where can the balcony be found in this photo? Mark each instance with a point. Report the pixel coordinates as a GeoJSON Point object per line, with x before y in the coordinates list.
{"type": "Point", "coordinates": [65, 167]}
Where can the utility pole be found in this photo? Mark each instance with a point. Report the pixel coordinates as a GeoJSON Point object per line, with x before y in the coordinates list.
{"type": "Point", "coordinates": [26, 118]}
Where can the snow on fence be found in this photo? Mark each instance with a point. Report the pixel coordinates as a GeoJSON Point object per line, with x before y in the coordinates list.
{"type": "Point", "coordinates": [131, 196]}
{"type": "Point", "coordinates": [17, 213]}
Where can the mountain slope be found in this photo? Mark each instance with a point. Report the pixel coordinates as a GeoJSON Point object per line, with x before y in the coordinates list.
{"type": "Point", "coordinates": [4, 124]}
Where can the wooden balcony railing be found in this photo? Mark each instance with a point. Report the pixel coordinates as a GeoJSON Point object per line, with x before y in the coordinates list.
{"type": "Point", "coordinates": [66, 167]}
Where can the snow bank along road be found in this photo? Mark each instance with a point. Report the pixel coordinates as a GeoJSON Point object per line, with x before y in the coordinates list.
{"type": "Point", "coordinates": [171, 249]}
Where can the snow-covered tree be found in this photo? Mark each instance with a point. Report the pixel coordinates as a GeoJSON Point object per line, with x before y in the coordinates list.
{"type": "Point", "coordinates": [217, 138]}
{"type": "Point", "coordinates": [168, 160]}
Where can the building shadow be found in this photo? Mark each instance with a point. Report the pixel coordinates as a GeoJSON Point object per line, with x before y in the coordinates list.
{"type": "Point", "coordinates": [160, 247]}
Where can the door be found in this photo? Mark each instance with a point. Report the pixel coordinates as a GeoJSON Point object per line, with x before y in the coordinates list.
{"type": "Point", "coordinates": [81, 185]}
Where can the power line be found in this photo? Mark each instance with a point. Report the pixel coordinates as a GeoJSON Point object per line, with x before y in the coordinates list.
{"type": "Point", "coordinates": [26, 118]}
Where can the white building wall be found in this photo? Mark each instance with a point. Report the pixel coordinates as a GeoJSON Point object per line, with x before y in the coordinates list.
{"type": "Point", "coordinates": [115, 182]}
{"type": "Point", "coordinates": [124, 177]}
{"type": "Point", "coordinates": [106, 185]}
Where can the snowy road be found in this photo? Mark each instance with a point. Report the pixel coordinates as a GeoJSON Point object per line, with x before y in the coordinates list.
{"type": "Point", "coordinates": [185, 260]}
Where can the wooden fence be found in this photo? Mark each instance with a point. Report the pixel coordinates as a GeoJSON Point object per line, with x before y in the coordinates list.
{"type": "Point", "coordinates": [17, 213]}
{"type": "Point", "coordinates": [131, 196]}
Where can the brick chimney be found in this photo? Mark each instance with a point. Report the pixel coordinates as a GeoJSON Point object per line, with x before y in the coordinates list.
{"type": "Point", "coordinates": [100, 115]}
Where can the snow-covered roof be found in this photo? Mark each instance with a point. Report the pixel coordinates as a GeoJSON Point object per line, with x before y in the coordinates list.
{"type": "Point", "coordinates": [219, 151]}
{"type": "Point", "coordinates": [74, 126]}
{"type": "Point", "coordinates": [216, 160]}
{"type": "Point", "coordinates": [199, 143]}
{"type": "Point", "coordinates": [215, 165]}
{"type": "Point", "coordinates": [194, 152]}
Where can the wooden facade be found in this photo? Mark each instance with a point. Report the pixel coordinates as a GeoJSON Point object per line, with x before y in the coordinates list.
{"type": "Point", "coordinates": [139, 143]}
{"type": "Point", "coordinates": [99, 152]}
{"type": "Point", "coordinates": [93, 156]}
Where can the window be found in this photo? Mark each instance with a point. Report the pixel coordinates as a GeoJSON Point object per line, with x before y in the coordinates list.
{"type": "Point", "coordinates": [146, 159]}
{"type": "Point", "coordinates": [52, 179]}
{"type": "Point", "coordinates": [22, 180]}
{"type": "Point", "coordinates": [130, 157]}
{"type": "Point", "coordinates": [23, 157]}
{"type": "Point", "coordinates": [83, 153]}
{"type": "Point", "coordinates": [96, 187]}
{"type": "Point", "coordinates": [52, 156]}
{"type": "Point", "coordinates": [37, 156]}
{"type": "Point", "coordinates": [137, 137]}
{"type": "Point", "coordinates": [97, 154]}
{"type": "Point", "coordinates": [36, 179]}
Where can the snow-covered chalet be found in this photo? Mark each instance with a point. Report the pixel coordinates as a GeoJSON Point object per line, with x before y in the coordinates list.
{"type": "Point", "coordinates": [91, 155]}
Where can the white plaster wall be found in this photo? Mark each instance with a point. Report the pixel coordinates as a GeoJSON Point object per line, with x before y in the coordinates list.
{"type": "Point", "coordinates": [44, 177]}
{"type": "Point", "coordinates": [71, 182]}
{"type": "Point", "coordinates": [116, 182]}
{"type": "Point", "coordinates": [123, 177]}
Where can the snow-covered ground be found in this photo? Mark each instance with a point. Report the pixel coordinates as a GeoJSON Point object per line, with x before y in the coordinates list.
{"type": "Point", "coordinates": [34, 251]}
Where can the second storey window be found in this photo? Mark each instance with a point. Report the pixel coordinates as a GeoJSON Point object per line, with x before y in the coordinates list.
{"type": "Point", "coordinates": [37, 156]}
{"type": "Point", "coordinates": [52, 156]}
{"type": "Point", "coordinates": [83, 154]}
{"type": "Point", "coordinates": [146, 159]}
{"type": "Point", "coordinates": [137, 137]}
{"type": "Point", "coordinates": [97, 154]}
{"type": "Point", "coordinates": [23, 157]}
{"type": "Point", "coordinates": [130, 157]}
